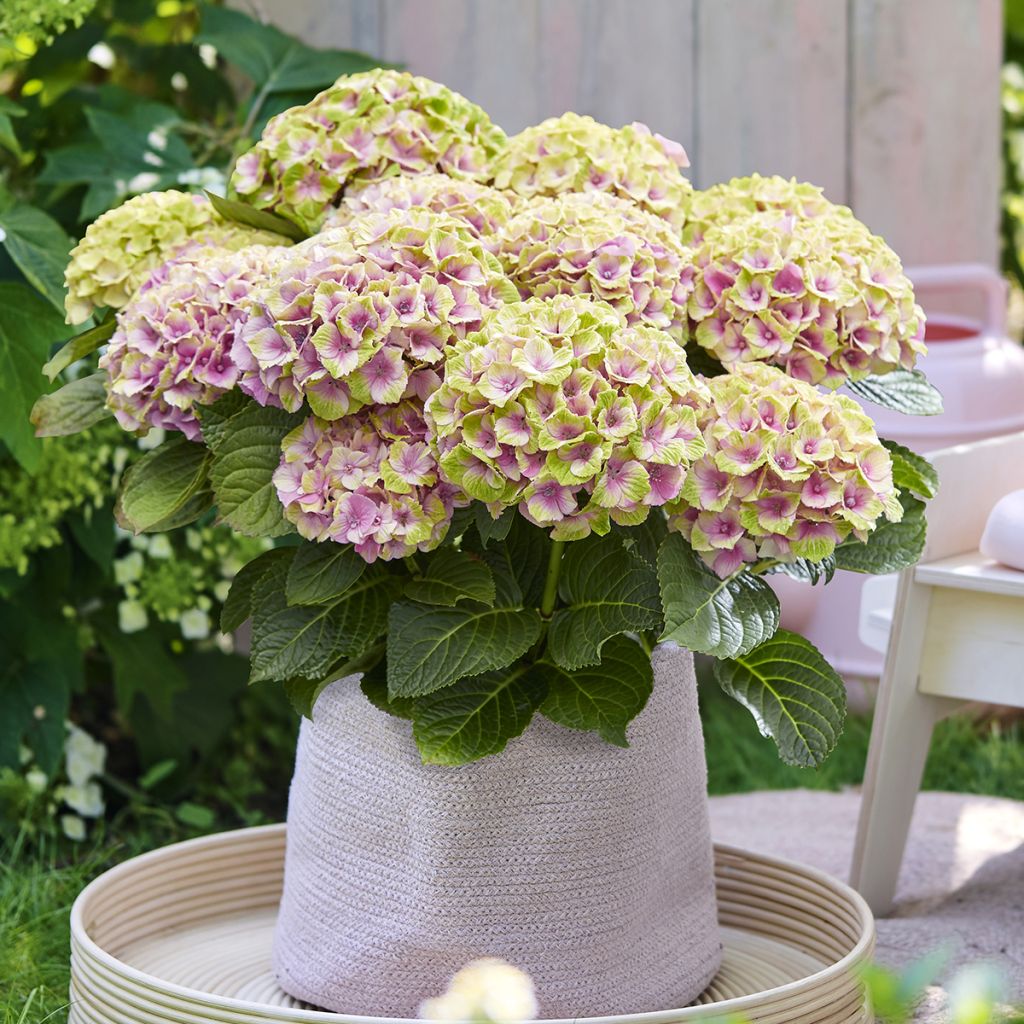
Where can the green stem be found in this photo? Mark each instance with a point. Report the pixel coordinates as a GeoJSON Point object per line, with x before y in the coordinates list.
{"type": "Point", "coordinates": [550, 596]}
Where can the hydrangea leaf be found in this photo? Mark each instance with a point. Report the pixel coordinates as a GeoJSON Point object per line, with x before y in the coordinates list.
{"type": "Point", "coordinates": [28, 327]}
{"type": "Point", "coordinates": [322, 572]}
{"type": "Point", "coordinates": [303, 693]}
{"type": "Point", "coordinates": [601, 698]}
{"type": "Point", "coordinates": [305, 640]}
{"type": "Point", "coordinates": [79, 347]}
{"type": "Point", "coordinates": [214, 419]}
{"type": "Point", "coordinates": [890, 547]}
{"type": "Point", "coordinates": [161, 483]}
{"type": "Point", "coordinates": [39, 247]}
{"type": "Point", "coordinates": [645, 539]}
{"type": "Point", "coordinates": [912, 472]}
{"type": "Point", "coordinates": [374, 685]}
{"type": "Point", "coordinates": [243, 213]}
{"type": "Point", "coordinates": [243, 469]}
{"type": "Point", "coordinates": [490, 528]}
{"type": "Point", "coordinates": [452, 576]}
{"type": "Point", "coordinates": [476, 717]}
{"type": "Point", "coordinates": [238, 605]}
{"type": "Point", "coordinates": [608, 591]}
{"type": "Point", "coordinates": [808, 571]}
{"type": "Point", "coordinates": [906, 391]}
{"type": "Point", "coordinates": [71, 409]}
{"type": "Point", "coordinates": [710, 615]}
{"type": "Point", "coordinates": [795, 696]}
{"type": "Point", "coordinates": [431, 648]}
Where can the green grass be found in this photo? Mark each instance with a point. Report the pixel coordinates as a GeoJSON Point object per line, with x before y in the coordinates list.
{"type": "Point", "coordinates": [39, 882]}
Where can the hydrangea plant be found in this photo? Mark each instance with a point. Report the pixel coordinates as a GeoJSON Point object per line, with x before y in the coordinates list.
{"type": "Point", "coordinates": [472, 399]}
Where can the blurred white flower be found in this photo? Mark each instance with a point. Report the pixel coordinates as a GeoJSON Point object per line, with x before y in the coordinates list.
{"type": "Point", "coordinates": [208, 54]}
{"type": "Point", "coordinates": [157, 139]}
{"type": "Point", "coordinates": [102, 56]}
{"type": "Point", "coordinates": [143, 182]}
{"type": "Point", "coordinates": [73, 826]}
{"type": "Point", "coordinates": [487, 989]}
{"type": "Point", "coordinates": [160, 546]}
{"type": "Point", "coordinates": [87, 800]}
{"type": "Point", "coordinates": [205, 177]}
{"type": "Point", "coordinates": [131, 617]}
{"type": "Point", "coordinates": [36, 780]}
{"type": "Point", "coordinates": [84, 757]}
{"type": "Point", "coordinates": [129, 568]}
{"type": "Point", "coordinates": [221, 589]}
{"type": "Point", "coordinates": [195, 624]}
{"type": "Point", "coordinates": [179, 82]}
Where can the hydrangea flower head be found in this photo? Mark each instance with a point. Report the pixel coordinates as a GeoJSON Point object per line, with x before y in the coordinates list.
{"type": "Point", "coordinates": [559, 407]}
{"type": "Point", "coordinates": [789, 472]}
{"type": "Point", "coordinates": [369, 480]}
{"type": "Point", "coordinates": [822, 297]}
{"type": "Point", "coordinates": [573, 153]}
{"type": "Point", "coordinates": [732, 200]}
{"type": "Point", "coordinates": [592, 243]}
{"type": "Point", "coordinates": [124, 246]}
{"type": "Point", "coordinates": [362, 127]}
{"type": "Point", "coordinates": [482, 210]}
{"type": "Point", "coordinates": [362, 315]}
{"type": "Point", "coordinates": [172, 347]}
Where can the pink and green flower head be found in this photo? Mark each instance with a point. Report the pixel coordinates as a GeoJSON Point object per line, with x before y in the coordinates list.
{"type": "Point", "coordinates": [819, 296]}
{"type": "Point", "coordinates": [561, 408]}
{"type": "Point", "coordinates": [482, 210]}
{"type": "Point", "coordinates": [364, 127]}
{"type": "Point", "coordinates": [591, 243]}
{"type": "Point", "coordinates": [363, 315]}
{"type": "Point", "coordinates": [733, 200]}
{"type": "Point", "coordinates": [172, 349]}
{"type": "Point", "coordinates": [369, 480]}
{"type": "Point", "coordinates": [573, 153]}
{"type": "Point", "coordinates": [126, 245]}
{"type": "Point", "coordinates": [788, 472]}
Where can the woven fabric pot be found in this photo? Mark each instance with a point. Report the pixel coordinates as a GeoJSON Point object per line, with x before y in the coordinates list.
{"type": "Point", "coordinates": [586, 865]}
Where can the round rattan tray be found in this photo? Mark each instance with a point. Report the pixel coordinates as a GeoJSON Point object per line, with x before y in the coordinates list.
{"type": "Point", "coordinates": [182, 935]}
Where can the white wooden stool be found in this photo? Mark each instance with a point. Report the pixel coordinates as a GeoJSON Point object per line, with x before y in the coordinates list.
{"type": "Point", "coordinates": [957, 636]}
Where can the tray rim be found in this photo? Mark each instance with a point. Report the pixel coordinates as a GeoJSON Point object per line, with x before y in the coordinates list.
{"type": "Point", "coordinates": [831, 974]}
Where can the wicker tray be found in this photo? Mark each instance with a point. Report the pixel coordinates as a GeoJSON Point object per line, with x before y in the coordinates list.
{"type": "Point", "coordinates": [182, 935]}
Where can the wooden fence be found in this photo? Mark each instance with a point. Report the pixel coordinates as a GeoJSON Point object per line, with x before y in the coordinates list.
{"type": "Point", "coordinates": [891, 105]}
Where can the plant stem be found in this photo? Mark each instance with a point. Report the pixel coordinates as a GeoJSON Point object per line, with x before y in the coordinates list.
{"type": "Point", "coordinates": [550, 596]}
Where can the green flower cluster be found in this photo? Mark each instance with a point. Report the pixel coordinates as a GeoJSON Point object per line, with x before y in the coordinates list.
{"type": "Point", "coordinates": [732, 200]}
{"type": "Point", "coordinates": [483, 210]}
{"type": "Point", "coordinates": [75, 472]}
{"type": "Point", "coordinates": [820, 296]}
{"type": "Point", "coordinates": [591, 243]}
{"type": "Point", "coordinates": [181, 577]}
{"type": "Point", "coordinates": [789, 472]}
{"type": "Point", "coordinates": [126, 245]}
{"type": "Point", "coordinates": [558, 407]}
{"type": "Point", "coordinates": [573, 153]}
{"type": "Point", "coordinates": [363, 127]}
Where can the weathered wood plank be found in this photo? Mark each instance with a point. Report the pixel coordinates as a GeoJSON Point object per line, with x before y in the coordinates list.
{"type": "Point", "coordinates": [772, 90]}
{"type": "Point", "coordinates": [924, 138]}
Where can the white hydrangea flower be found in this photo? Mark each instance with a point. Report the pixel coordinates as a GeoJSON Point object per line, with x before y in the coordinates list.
{"type": "Point", "coordinates": [221, 589]}
{"type": "Point", "coordinates": [36, 780]}
{"type": "Point", "coordinates": [489, 990]}
{"type": "Point", "coordinates": [195, 624]}
{"type": "Point", "coordinates": [131, 617]}
{"type": "Point", "coordinates": [87, 800]}
{"type": "Point", "coordinates": [73, 827]}
{"type": "Point", "coordinates": [129, 568]}
{"type": "Point", "coordinates": [84, 757]}
{"type": "Point", "coordinates": [160, 546]}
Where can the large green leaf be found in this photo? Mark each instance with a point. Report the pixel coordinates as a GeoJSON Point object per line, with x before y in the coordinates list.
{"type": "Point", "coordinates": [322, 572]}
{"type": "Point", "coordinates": [912, 472]}
{"type": "Point", "coordinates": [608, 591]}
{"type": "Point", "coordinates": [243, 469]}
{"type": "Point", "coordinates": [28, 327]}
{"type": "Point", "coordinates": [161, 483]}
{"type": "Point", "coordinates": [809, 572]}
{"type": "Point", "coordinates": [890, 547]}
{"type": "Point", "coordinates": [906, 391]}
{"type": "Point", "coordinates": [476, 717]}
{"type": "Point", "coordinates": [71, 409]}
{"type": "Point", "coordinates": [451, 576]}
{"type": "Point", "coordinates": [430, 648]}
{"type": "Point", "coordinates": [39, 247]}
{"type": "Point", "coordinates": [795, 696]}
{"type": "Point", "coordinates": [711, 615]}
{"type": "Point", "coordinates": [243, 213]}
{"type": "Point", "coordinates": [601, 698]}
{"type": "Point", "coordinates": [303, 693]}
{"type": "Point", "coordinates": [490, 528]}
{"type": "Point", "coordinates": [238, 605]}
{"type": "Point", "coordinates": [216, 419]}
{"type": "Point", "coordinates": [78, 347]}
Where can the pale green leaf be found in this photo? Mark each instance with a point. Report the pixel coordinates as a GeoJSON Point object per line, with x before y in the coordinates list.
{"type": "Point", "coordinates": [451, 576]}
{"type": "Point", "coordinates": [601, 698]}
{"type": "Point", "coordinates": [795, 696]}
{"type": "Point", "coordinates": [39, 247]}
{"type": "Point", "coordinates": [78, 347]}
{"type": "Point", "coordinates": [242, 213]}
{"type": "Point", "coordinates": [912, 472]}
{"type": "Point", "coordinates": [906, 391]}
{"type": "Point", "coordinates": [709, 615]}
{"type": "Point", "coordinates": [161, 483]}
{"type": "Point", "coordinates": [809, 572]}
{"type": "Point", "coordinates": [71, 409]}
{"type": "Point", "coordinates": [608, 591]}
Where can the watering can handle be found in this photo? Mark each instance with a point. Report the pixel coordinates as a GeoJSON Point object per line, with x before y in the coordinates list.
{"type": "Point", "coordinates": [968, 276]}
